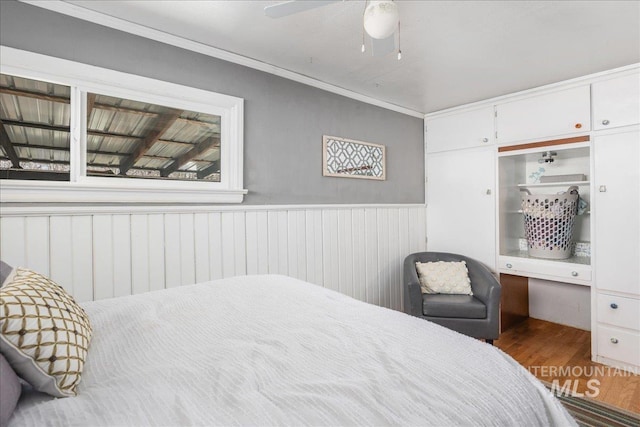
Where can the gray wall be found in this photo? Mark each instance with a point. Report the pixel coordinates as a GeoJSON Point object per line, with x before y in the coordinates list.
{"type": "Point", "coordinates": [284, 120]}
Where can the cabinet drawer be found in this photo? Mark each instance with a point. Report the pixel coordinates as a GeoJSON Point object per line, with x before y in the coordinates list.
{"type": "Point", "coordinates": [544, 269]}
{"type": "Point", "coordinates": [619, 345]}
{"type": "Point", "coordinates": [619, 311]}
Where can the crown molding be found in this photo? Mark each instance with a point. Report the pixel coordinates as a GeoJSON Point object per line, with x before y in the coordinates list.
{"type": "Point", "coordinates": [79, 12]}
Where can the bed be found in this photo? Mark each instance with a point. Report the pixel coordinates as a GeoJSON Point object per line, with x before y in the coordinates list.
{"type": "Point", "coordinates": [273, 350]}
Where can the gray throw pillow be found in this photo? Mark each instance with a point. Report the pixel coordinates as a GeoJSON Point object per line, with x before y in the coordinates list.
{"type": "Point", "coordinates": [10, 389]}
{"type": "Point", "coordinates": [5, 269]}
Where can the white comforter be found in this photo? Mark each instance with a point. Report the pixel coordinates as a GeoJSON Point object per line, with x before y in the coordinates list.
{"type": "Point", "coordinates": [272, 350]}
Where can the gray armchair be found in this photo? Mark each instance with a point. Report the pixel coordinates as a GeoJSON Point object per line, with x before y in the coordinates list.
{"type": "Point", "coordinates": [474, 315]}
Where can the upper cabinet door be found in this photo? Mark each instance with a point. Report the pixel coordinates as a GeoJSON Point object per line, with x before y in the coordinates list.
{"type": "Point", "coordinates": [616, 102]}
{"type": "Point", "coordinates": [460, 130]}
{"type": "Point", "coordinates": [541, 117]}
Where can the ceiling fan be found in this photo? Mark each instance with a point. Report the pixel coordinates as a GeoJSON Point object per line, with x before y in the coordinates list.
{"type": "Point", "coordinates": [380, 21]}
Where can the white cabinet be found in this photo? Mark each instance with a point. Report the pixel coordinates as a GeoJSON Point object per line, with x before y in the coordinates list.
{"type": "Point", "coordinates": [560, 113]}
{"type": "Point", "coordinates": [617, 212]}
{"type": "Point", "coordinates": [616, 102]}
{"type": "Point", "coordinates": [592, 131]}
{"type": "Point", "coordinates": [460, 130]}
{"type": "Point", "coordinates": [616, 322]}
{"type": "Point", "coordinates": [461, 203]}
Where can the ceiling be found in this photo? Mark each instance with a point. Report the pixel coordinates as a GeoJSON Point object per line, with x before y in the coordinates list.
{"type": "Point", "coordinates": [453, 52]}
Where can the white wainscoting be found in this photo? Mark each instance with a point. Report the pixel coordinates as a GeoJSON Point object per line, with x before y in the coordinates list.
{"type": "Point", "coordinates": [357, 250]}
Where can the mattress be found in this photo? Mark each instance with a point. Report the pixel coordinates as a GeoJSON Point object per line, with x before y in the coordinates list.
{"type": "Point", "coordinates": [273, 350]}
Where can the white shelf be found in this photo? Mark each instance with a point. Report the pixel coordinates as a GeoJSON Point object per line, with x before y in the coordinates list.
{"type": "Point", "coordinates": [554, 184]}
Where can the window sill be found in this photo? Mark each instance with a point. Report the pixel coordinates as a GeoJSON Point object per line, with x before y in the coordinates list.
{"type": "Point", "coordinates": [89, 192]}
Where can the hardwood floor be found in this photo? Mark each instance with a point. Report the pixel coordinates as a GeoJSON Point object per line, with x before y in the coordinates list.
{"type": "Point", "coordinates": [556, 352]}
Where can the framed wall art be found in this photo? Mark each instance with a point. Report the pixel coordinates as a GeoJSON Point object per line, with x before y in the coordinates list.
{"type": "Point", "coordinates": [347, 158]}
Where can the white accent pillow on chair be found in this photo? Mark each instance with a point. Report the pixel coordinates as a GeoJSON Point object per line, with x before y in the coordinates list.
{"type": "Point", "coordinates": [442, 277]}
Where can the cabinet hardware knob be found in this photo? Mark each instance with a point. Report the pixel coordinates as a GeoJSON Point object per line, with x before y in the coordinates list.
{"type": "Point", "coordinates": [574, 273]}
{"type": "Point", "coordinates": [613, 305]}
{"type": "Point", "coordinates": [488, 191]}
{"type": "Point", "coordinates": [509, 265]}
{"type": "Point", "coordinates": [605, 122]}
{"type": "Point", "coordinates": [602, 189]}
{"type": "Point", "coordinates": [614, 340]}
{"type": "Point", "coordinates": [485, 139]}
{"type": "Point", "coordinates": [578, 125]}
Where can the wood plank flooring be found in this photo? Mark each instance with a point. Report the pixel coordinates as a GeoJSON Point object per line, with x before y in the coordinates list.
{"type": "Point", "coordinates": [544, 348]}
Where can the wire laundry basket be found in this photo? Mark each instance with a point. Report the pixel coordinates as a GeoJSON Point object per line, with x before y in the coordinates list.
{"type": "Point", "coordinates": [549, 222]}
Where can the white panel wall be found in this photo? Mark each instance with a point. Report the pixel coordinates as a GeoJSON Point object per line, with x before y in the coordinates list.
{"type": "Point", "coordinates": [559, 302]}
{"type": "Point", "coordinates": [356, 250]}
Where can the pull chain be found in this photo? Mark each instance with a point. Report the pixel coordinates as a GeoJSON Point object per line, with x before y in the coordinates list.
{"type": "Point", "coordinates": [363, 12]}
{"type": "Point", "coordinates": [399, 50]}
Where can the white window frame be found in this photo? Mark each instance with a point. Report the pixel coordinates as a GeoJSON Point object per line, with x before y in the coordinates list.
{"type": "Point", "coordinates": [83, 78]}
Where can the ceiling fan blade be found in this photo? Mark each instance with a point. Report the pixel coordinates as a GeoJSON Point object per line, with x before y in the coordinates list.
{"type": "Point", "coordinates": [295, 6]}
{"type": "Point", "coordinates": [381, 47]}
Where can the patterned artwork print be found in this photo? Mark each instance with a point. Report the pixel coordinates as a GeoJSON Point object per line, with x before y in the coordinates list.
{"type": "Point", "coordinates": [348, 158]}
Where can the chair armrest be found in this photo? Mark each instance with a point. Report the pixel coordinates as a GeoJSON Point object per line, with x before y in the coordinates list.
{"type": "Point", "coordinates": [412, 291]}
{"type": "Point", "coordinates": [486, 288]}
{"type": "Point", "coordinates": [484, 285]}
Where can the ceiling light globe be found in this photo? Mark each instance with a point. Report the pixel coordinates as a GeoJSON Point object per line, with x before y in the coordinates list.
{"type": "Point", "coordinates": [381, 19]}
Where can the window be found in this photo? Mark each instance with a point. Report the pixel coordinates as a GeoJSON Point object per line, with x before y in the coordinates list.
{"type": "Point", "coordinates": [114, 137]}
{"type": "Point", "coordinates": [128, 138]}
{"type": "Point", "coordinates": [35, 124]}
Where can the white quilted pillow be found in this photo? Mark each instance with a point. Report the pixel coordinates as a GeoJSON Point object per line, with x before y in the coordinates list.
{"type": "Point", "coordinates": [444, 277]}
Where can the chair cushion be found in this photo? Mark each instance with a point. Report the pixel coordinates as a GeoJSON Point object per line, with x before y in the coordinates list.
{"type": "Point", "coordinates": [453, 306]}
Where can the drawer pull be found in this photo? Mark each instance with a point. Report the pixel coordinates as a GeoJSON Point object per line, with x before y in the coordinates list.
{"type": "Point", "coordinates": [485, 139]}
{"type": "Point", "coordinates": [613, 305]}
{"type": "Point", "coordinates": [509, 265]}
{"type": "Point", "coordinates": [605, 122]}
{"type": "Point", "coordinates": [614, 340]}
{"type": "Point", "coordinates": [574, 273]}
